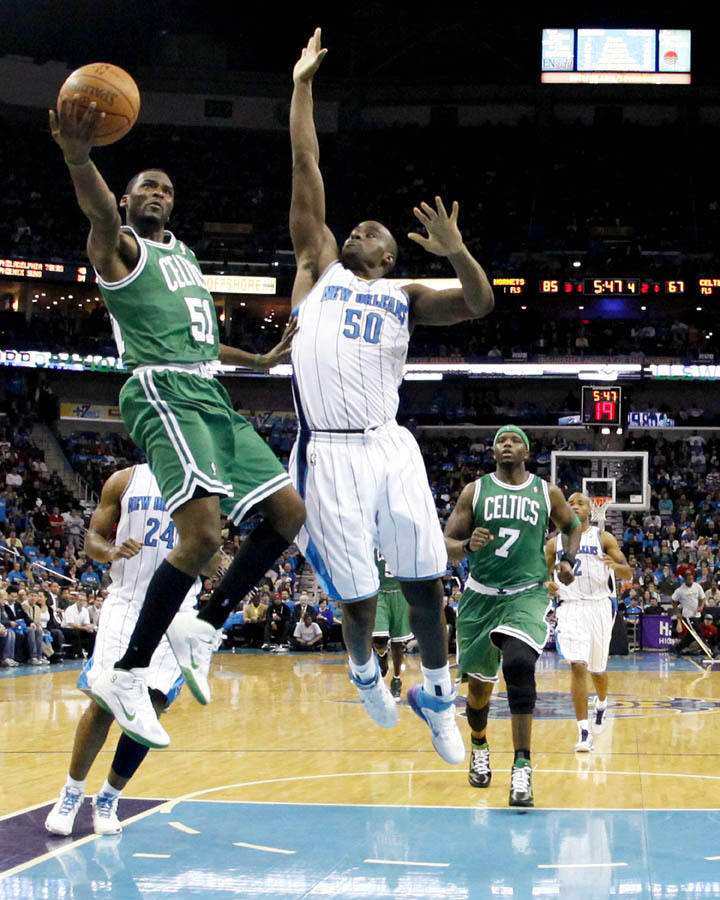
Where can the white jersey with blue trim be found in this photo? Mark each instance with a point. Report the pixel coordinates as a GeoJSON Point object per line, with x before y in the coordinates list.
{"type": "Point", "coordinates": [591, 574]}
{"type": "Point", "coordinates": [143, 518]}
{"type": "Point", "coordinates": [349, 352]}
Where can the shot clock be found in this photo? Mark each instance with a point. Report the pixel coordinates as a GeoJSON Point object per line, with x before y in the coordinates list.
{"type": "Point", "coordinates": [601, 406]}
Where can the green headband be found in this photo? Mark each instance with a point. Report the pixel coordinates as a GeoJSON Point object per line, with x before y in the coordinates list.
{"type": "Point", "coordinates": [515, 430]}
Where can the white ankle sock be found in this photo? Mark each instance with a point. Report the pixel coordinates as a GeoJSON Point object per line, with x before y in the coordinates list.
{"type": "Point", "coordinates": [75, 785]}
{"type": "Point", "coordinates": [437, 682]}
{"type": "Point", "coordinates": [365, 672]}
{"type": "Point", "coordinates": [107, 788]}
{"type": "Point", "coordinates": [600, 704]}
{"type": "Point", "coordinates": [583, 725]}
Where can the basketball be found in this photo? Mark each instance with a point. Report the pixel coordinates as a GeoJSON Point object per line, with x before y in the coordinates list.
{"type": "Point", "coordinates": [115, 94]}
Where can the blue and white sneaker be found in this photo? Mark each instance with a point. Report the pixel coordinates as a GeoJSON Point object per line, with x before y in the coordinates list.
{"type": "Point", "coordinates": [376, 698]}
{"type": "Point", "coordinates": [61, 818]}
{"type": "Point", "coordinates": [105, 820]}
{"type": "Point", "coordinates": [439, 714]}
{"type": "Point", "coordinates": [599, 717]}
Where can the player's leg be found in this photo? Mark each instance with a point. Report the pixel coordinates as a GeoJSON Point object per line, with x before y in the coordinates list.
{"type": "Point", "coordinates": [380, 646]}
{"type": "Point", "coordinates": [477, 710]}
{"type": "Point", "coordinates": [577, 624]}
{"type": "Point", "coordinates": [358, 619]}
{"type": "Point", "coordinates": [129, 755]}
{"type": "Point", "coordinates": [90, 735]}
{"type": "Point", "coordinates": [579, 693]}
{"type": "Point", "coordinates": [600, 682]}
{"type": "Point", "coordinates": [434, 701]}
{"type": "Point", "coordinates": [518, 667]}
{"type": "Point", "coordinates": [397, 650]}
{"type": "Point", "coordinates": [258, 482]}
{"type": "Point", "coordinates": [398, 625]}
{"type": "Point", "coordinates": [283, 516]}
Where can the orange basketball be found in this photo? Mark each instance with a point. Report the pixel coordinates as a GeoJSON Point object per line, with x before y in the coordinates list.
{"type": "Point", "coordinates": [115, 94]}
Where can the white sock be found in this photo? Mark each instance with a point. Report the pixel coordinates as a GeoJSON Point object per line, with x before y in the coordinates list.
{"type": "Point", "coordinates": [600, 704]}
{"type": "Point", "coordinates": [107, 788]}
{"type": "Point", "coordinates": [365, 672]}
{"type": "Point", "coordinates": [75, 785]}
{"type": "Point", "coordinates": [437, 682]}
{"type": "Point", "coordinates": [583, 725]}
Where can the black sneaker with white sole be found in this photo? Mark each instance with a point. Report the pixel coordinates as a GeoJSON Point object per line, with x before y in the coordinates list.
{"type": "Point", "coordinates": [521, 792]}
{"type": "Point", "coordinates": [480, 773]}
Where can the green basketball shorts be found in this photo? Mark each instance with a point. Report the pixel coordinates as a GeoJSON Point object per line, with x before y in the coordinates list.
{"type": "Point", "coordinates": [193, 439]}
{"type": "Point", "coordinates": [392, 616]}
{"type": "Point", "coordinates": [480, 616]}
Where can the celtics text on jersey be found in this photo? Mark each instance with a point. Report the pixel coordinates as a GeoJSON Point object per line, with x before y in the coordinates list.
{"type": "Point", "coordinates": [517, 516]}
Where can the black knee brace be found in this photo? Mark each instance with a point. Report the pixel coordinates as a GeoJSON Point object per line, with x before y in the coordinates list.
{"type": "Point", "coordinates": [477, 718]}
{"type": "Point", "coordinates": [518, 665]}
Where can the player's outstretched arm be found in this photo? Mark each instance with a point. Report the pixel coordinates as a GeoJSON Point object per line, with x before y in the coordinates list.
{"type": "Point", "coordinates": [614, 557]}
{"type": "Point", "coordinates": [314, 245]}
{"type": "Point", "coordinates": [461, 538]}
{"type": "Point", "coordinates": [565, 519]}
{"type": "Point", "coordinates": [233, 356]}
{"type": "Point", "coordinates": [98, 540]}
{"type": "Point", "coordinates": [111, 253]}
{"type": "Point", "coordinates": [474, 299]}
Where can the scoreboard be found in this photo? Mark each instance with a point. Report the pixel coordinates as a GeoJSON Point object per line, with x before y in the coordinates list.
{"type": "Point", "coordinates": [608, 287]}
{"type": "Point", "coordinates": [601, 406]}
{"type": "Point", "coordinates": [45, 271]}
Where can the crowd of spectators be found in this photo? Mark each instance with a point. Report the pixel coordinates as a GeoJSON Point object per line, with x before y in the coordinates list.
{"type": "Point", "coordinates": [49, 583]}
{"type": "Point", "coordinates": [518, 209]}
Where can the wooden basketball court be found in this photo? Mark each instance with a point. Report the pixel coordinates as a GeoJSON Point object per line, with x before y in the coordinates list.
{"type": "Point", "coordinates": [284, 770]}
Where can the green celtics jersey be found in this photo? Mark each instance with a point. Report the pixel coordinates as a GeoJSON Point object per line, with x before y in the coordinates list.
{"type": "Point", "coordinates": [517, 516]}
{"type": "Point", "coordinates": [161, 312]}
{"type": "Point", "coordinates": [387, 581]}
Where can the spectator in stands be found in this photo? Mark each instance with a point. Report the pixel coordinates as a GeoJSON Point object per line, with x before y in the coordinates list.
{"type": "Point", "coordinates": [651, 604]}
{"type": "Point", "coordinates": [277, 623]}
{"type": "Point", "coordinates": [74, 525]}
{"type": "Point", "coordinates": [254, 615]}
{"type": "Point", "coordinates": [307, 634]}
{"type": "Point", "coordinates": [37, 612]}
{"type": "Point", "coordinates": [56, 523]}
{"type": "Point", "coordinates": [708, 631]}
{"type": "Point", "coordinates": [78, 630]}
{"type": "Point", "coordinates": [7, 643]}
{"type": "Point", "coordinates": [303, 607]}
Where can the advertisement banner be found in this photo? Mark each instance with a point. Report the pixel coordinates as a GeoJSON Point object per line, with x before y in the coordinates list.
{"type": "Point", "coordinates": [656, 632]}
{"type": "Point", "coordinates": [90, 412]}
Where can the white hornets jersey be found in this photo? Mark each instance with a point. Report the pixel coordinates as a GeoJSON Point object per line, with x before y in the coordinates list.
{"type": "Point", "coordinates": [349, 352]}
{"type": "Point", "coordinates": [143, 518]}
{"type": "Point", "coordinates": [591, 574]}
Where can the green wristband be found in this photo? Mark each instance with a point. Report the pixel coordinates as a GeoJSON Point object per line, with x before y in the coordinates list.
{"type": "Point", "coordinates": [256, 360]}
{"type": "Point", "coordinates": [568, 528]}
{"type": "Point", "coordinates": [77, 165]}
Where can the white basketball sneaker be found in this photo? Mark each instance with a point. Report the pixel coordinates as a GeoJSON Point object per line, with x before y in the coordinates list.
{"type": "Point", "coordinates": [61, 818]}
{"type": "Point", "coordinates": [379, 703]}
{"type": "Point", "coordinates": [193, 642]}
{"type": "Point", "coordinates": [105, 820]}
{"type": "Point", "coordinates": [599, 717]}
{"type": "Point", "coordinates": [439, 714]}
{"type": "Point", "coordinates": [125, 695]}
{"type": "Point", "coordinates": [584, 742]}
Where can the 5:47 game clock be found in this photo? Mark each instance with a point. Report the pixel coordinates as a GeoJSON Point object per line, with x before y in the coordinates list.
{"type": "Point", "coordinates": [601, 406]}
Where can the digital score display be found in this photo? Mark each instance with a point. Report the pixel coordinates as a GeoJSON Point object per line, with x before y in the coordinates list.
{"type": "Point", "coordinates": [616, 50]}
{"type": "Point", "coordinates": [45, 271]}
{"type": "Point", "coordinates": [601, 406]}
{"type": "Point", "coordinates": [614, 287]}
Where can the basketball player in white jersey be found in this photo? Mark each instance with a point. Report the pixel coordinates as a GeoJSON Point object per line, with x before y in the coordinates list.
{"type": "Point", "coordinates": [362, 475]}
{"type": "Point", "coordinates": [145, 535]}
{"type": "Point", "coordinates": [585, 615]}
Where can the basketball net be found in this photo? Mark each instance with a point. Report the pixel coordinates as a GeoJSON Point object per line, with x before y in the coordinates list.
{"type": "Point", "coordinates": [599, 506]}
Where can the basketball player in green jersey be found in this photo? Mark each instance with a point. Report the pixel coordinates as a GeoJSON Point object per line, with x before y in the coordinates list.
{"type": "Point", "coordinates": [205, 457]}
{"type": "Point", "coordinates": [392, 625]}
{"type": "Point", "coordinates": [500, 522]}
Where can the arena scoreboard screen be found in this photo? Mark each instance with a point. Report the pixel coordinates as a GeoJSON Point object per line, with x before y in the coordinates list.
{"type": "Point", "coordinates": [601, 406]}
{"type": "Point", "coordinates": [616, 55]}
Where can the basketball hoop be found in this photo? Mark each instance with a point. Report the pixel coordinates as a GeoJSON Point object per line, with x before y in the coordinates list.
{"type": "Point", "coordinates": [598, 506]}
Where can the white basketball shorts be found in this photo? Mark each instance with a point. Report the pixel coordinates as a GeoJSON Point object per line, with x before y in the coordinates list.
{"type": "Point", "coordinates": [584, 629]}
{"type": "Point", "coordinates": [364, 491]}
{"type": "Point", "coordinates": [117, 621]}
